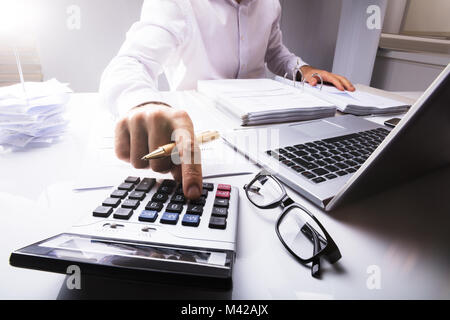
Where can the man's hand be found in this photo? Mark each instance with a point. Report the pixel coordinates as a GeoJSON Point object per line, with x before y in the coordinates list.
{"type": "Point", "coordinates": [147, 127]}
{"type": "Point", "coordinates": [340, 82]}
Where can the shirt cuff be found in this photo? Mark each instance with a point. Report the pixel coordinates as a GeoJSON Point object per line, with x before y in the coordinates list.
{"type": "Point", "coordinates": [294, 62]}
{"type": "Point", "coordinates": [128, 101]}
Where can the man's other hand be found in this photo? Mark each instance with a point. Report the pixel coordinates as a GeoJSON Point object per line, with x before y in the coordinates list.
{"type": "Point", "coordinates": [340, 82]}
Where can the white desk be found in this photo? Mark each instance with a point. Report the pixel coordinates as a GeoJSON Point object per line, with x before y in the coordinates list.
{"type": "Point", "coordinates": [403, 231]}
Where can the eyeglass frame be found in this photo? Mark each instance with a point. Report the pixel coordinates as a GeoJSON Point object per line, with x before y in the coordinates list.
{"type": "Point", "coordinates": [330, 251]}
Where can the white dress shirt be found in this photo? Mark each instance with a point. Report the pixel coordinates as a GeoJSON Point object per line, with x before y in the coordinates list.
{"type": "Point", "coordinates": [191, 40]}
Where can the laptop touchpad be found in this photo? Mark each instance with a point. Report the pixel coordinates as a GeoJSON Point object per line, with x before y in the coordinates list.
{"type": "Point", "coordinates": [318, 128]}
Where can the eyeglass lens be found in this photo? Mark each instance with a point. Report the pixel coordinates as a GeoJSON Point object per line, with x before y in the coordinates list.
{"type": "Point", "coordinates": [298, 230]}
{"type": "Point", "coordinates": [264, 191]}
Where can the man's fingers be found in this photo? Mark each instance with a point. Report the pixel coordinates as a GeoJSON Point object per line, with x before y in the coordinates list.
{"type": "Point", "coordinates": [138, 142]}
{"type": "Point", "coordinates": [122, 140]}
{"type": "Point", "coordinates": [189, 153]}
{"type": "Point", "coordinates": [159, 135]}
{"type": "Point", "coordinates": [329, 77]}
{"type": "Point", "coordinates": [347, 84]}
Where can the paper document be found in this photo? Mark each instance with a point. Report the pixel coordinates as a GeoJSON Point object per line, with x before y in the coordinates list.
{"type": "Point", "coordinates": [259, 101]}
{"type": "Point", "coordinates": [357, 102]}
{"type": "Point", "coordinates": [32, 118]}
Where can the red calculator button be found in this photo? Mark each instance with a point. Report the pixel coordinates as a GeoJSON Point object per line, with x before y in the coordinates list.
{"type": "Point", "coordinates": [224, 187]}
{"type": "Point", "coordinates": [223, 194]}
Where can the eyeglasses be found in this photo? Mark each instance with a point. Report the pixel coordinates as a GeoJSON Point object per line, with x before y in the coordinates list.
{"type": "Point", "coordinates": [298, 229]}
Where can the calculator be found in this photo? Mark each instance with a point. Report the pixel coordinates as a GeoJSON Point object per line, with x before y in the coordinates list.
{"type": "Point", "coordinates": [146, 229]}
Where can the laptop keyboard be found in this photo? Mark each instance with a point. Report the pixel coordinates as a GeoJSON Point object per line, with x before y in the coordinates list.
{"type": "Point", "coordinates": [328, 159]}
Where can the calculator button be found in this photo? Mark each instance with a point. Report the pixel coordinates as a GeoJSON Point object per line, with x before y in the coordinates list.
{"type": "Point", "coordinates": [178, 198]}
{"type": "Point", "coordinates": [148, 216]}
{"type": "Point", "coordinates": [174, 207]}
{"type": "Point", "coordinates": [218, 202]}
{"type": "Point", "coordinates": [126, 186]}
{"type": "Point", "coordinates": [111, 202]}
{"type": "Point", "coordinates": [224, 187]}
{"type": "Point", "coordinates": [133, 180]}
{"type": "Point", "coordinates": [122, 194]}
{"type": "Point", "coordinates": [160, 197]}
{"type": "Point", "coordinates": [169, 183]}
{"type": "Point", "coordinates": [156, 206]}
{"type": "Point", "coordinates": [123, 213]}
{"type": "Point", "coordinates": [208, 186]}
{"type": "Point", "coordinates": [102, 212]}
{"type": "Point", "coordinates": [217, 223]}
{"type": "Point", "coordinates": [146, 185]}
{"type": "Point", "coordinates": [137, 195]}
{"type": "Point", "coordinates": [130, 204]}
{"type": "Point", "coordinates": [191, 220]}
{"type": "Point", "coordinates": [200, 201]}
{"type": "Point", "coordinates": [223, 194]}
{"type": "Point", "coordinates": [205, 193]}
{"type": "Point", "coordinates": [165, 189]}
{"type": "Point", "coordinates": [194, 209]}
{"type": "Point", "coordinates": [169, 218]}
{"type": "Point", "coordinates": [219, 212]}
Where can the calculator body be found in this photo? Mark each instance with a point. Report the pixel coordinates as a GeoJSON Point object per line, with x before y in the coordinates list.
{"type": "Point", "coordinates": [193, 248]}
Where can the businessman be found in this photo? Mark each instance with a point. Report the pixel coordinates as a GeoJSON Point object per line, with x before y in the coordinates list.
{"type": "Point", "coordinates": [190, 40]}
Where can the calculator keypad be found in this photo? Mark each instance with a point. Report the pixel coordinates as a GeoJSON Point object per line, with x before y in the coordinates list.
{"type": "Point", "coordinates": [167, 205]}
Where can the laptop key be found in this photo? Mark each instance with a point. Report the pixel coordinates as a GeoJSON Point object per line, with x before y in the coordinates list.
{"type": "Point", "coordinates": [300, 146]}
{"type": "Point", "coordinates": [329, 160]}
{"type": "Point", "coordinates": [320, 171]}
{"type": "Point", "coordinates": [308, 175]}
{"type": "Point", "coordinates": [331, 176]}
{"type": "Point", "coordinates": [298, 169]}
{"type": "Point", "coordinates": [300, 153]}
{"type": "Point", "coordinates": [341, 165]}
{"type": "Point", "coordinates": [332, 168]}
{"type": "Point", "coordinates": [341, 173]}
{"type": "Point", "coordinates": [318, 180]}
{"type": "Point", "coordinates": [320, 163]}
{"type": "Point", "coordinates": [351, 170]}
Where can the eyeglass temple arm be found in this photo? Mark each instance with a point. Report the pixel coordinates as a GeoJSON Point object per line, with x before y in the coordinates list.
{"type": "Point", "coordinates": [315, 268]}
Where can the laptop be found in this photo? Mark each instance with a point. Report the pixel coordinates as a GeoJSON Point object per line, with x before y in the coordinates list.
{"type": "Point", "coordinates": [336, 160]}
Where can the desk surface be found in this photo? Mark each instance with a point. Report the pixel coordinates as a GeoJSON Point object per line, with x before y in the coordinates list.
{"type": "Point", "coordinates": [394, 244]}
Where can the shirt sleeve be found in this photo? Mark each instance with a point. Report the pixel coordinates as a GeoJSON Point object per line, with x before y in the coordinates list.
{"type": "Point", "coordinates": [278, 58]}
{"type": "Point", "coordinates": [131, 77]}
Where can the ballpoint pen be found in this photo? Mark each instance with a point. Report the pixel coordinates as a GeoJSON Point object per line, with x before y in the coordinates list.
{"type": "Point", "coordinates": [166, 150]}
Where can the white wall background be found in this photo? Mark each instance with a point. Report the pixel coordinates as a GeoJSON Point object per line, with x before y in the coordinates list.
{"type": "Point", "coordinates": [79, 56]}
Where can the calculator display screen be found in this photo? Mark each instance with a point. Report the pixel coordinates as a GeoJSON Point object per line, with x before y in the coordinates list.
{"type": "Point", "coordinates": [124, 253]}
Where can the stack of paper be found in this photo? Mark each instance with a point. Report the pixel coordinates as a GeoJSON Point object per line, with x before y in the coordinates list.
{"type": "Point", "coordinates": [261, 101]}
{"type": "Point", "coordinates": [32, 115]}
{"type": "Point", "coordinates": [359, 103]}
